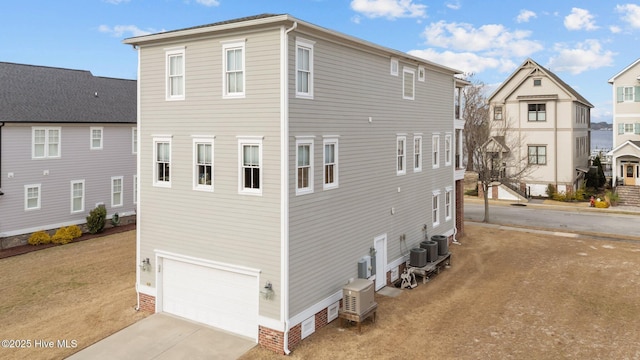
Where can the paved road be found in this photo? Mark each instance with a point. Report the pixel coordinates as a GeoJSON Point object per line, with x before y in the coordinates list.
{"type": "Point", "coordinates": [560, 219]}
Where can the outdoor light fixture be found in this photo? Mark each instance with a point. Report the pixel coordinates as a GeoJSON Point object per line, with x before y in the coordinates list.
{"type": "Point", "coordinates": [145, 265]}
{"type": "Point", "coordinates": [267, 291]}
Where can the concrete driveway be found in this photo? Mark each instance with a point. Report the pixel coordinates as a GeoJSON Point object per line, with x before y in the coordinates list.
{"type": "Point", "coordinates": [163, 337]}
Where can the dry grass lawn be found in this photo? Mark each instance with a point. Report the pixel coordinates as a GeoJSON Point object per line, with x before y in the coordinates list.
{"type": "Point", "coordinates": [507, 295]}
{"type": "Point", "coordinates": [82, 291]}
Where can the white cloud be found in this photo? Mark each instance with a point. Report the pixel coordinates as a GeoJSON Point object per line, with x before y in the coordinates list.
{"type": "Point", "coordinates": [615, 29]}
{"type": "Point", "coordinates": [580, 19]}
{"type": "Point", "coordinates": [356, 19]}
{"type": "Point", "coordinates": [454, 5]}
{"type": "Point", "coordinates": [208, 2]}
{"type": "Point", "coordinates": [390, 9]}
{"type": "Point", "coordinates": [586, 55]}
{"type": "Point", "coordinates": [467, 62]}
{"type": "Point", "coordinates": [115, 2]}
{"type": "Point", "coordinates": [525, 16]}
{"type": "Point", "coordinates": [492, 39]}
{"type": "Point", "coordinates": [630, 14]}
{"type": "Point", "coordinates": [123, 30]}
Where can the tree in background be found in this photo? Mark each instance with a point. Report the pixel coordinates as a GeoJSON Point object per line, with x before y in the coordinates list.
{"type": "Point", "coordinates": [476, 115]}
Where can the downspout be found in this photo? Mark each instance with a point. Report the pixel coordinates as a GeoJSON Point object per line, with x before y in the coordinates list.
{"type": "Point", "coordinates": [138, 261]}
{"type": "Point", "coordinates": [284, 184]}
{"type": "Point", "coordinates": [555, 143]}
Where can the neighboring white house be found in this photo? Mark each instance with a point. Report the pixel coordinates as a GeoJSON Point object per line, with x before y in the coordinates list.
{"type": "Point", "coordinates": [546, 123]}
{"type": "Point", "coordinates": [67, 144]}
{"type": "Point", "coordinates": [275, 155]}
{"type": "Point", "coordinates": [626, 126]}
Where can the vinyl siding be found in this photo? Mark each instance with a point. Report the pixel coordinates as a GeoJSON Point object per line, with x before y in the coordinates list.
{"type": "Point", "coordinates": [625, 112]}
{"type": "Point", "coordinates": [330, 230]}
{"type": "Point", "coordinates": [221, 226]}
{"type": "Point", "coordinates": [77, 162]}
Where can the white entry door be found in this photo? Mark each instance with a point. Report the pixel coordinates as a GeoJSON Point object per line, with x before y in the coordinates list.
{"type": "Point", "coordinates": [380, 244]}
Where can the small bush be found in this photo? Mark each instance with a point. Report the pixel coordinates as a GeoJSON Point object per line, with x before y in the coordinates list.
{"type": "Point", "coordinates": [39, 237]}
{"type": "Point", "coordinates": [96, 219]}
{"type": "Point", "coordinates": [561, 196]}
{"type": "Point", "coordinates": [74, 231]}
{"type": "Point", "coordinates": [612, 197]}
{"type": "Point", "coordinates": [61, 236]}
{"type": "Point", "coordinates": [601, 204]}
{"type": "Point", "coordinates": [551, 190]}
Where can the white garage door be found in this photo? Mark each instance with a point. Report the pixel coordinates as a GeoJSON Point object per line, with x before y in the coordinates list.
{"type": "Point", "coordinates": [223, 299]}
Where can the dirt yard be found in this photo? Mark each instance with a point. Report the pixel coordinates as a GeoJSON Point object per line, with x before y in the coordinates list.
{"type": "Point", "coordinates": [507, 295]}
{"type": "Point", "coordinates": [80, 292]}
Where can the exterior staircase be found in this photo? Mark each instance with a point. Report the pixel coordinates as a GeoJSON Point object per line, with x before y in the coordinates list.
{"type": "Point", "coordinates": [628, 195]}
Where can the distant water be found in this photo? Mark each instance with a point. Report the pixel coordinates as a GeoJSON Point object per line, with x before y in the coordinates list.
{"type": "Point", "coordinates": [601, 139]}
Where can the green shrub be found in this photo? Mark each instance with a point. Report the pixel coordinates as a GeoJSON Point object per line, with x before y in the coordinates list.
{"type": "Point", "coordinates": [74, 231]}
{"type": "Point", "coordinates": [61, 236]}
{"type": "Point", "coordinates": [39, 237]}
{"type": "Point", "coordinates": [96, 219]}
{"type": "Point", "coordinates": [551, 190]}
{"type": "Point", "coordinates": [612, 197]}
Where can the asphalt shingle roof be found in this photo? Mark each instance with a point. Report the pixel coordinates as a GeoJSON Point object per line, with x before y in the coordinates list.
{"type": "Point", "coordinates": [30, 93]}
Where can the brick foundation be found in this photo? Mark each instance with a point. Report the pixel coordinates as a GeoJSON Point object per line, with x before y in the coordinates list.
{"type": "Point", "coordinates": [460, 208]}
{"type": "Point", "coordinates": [272, 340]}
{"type": "Point", "coordinates": [147, 303]}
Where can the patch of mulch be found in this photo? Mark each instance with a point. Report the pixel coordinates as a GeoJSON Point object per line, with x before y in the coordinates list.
{"type": "Point", "coordinates": [23, 249]}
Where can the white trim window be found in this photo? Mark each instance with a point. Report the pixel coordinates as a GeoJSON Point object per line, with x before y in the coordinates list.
{"type": "Point", "coordinates": [304, 68]}
{"type": "Point", "coordinates": [117, 191]}
{"type": "Point", "coordinates": [401, 155]}
{"type": "Point", "coordinates": [250, 165]}
{"type": "Point", "coordinates": [46, 142]}
{"type": "Point", "coordinates": [394, 66]}
{"type": "Point", "coordinates": [77, 196]}
{"type": "Point", "coordinates": [175, 68]}
{"type": "Point", "coordinates": [436, 151]}
{"type": "Point", "coordinates": [330, 161]}
{"type": "Point", "coordinates": [162, 161]}
{"type": "Point", "coordinates": [417, 153]}
{"type": "Point", "coordinates": [627, 93]}
{"type": "Point", "coordinates": [304, 166]}
{"type": "Point", "coordinates": [32, 196]}
{"type": "Point", "coordinates": [134, 140]}
{"type": "Point", "coordinates": [233, 54]}
{"type": "Point", "coordinates": [203, 164]}
{"type": "Point", "coordinates": [435, 208]}
{"type": "Point", "coordinates": [408, 83]}
{"type": "Point", "coordinates": [447, 150]}
{"type": "Point", "coordinates": [97, 133]}
{"type": "Point", "coordinates": [448, 199]}
{"type": "Point", "coordinates": [135, 189]}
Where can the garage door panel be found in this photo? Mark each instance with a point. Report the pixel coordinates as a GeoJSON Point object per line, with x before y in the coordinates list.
{"type": "Point", "coordinates": [216, 297]}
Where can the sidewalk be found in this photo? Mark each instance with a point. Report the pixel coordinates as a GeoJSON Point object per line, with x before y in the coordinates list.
{"type": "Point", "coordinates": [567, 206]}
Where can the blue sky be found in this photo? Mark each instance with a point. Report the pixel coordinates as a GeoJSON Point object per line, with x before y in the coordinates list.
{"type": "Point", "coordinates": [584, 42]}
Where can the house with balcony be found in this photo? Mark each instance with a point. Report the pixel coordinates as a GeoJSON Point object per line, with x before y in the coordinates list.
{"type": "Point", "coordinates": [540, 124]}
{"type": "Point", "coordinates": [275, 155]}
{"type": "Point", "coordinates": [625, 156]}
{"type": "Point", "coordinates": [67, 145]}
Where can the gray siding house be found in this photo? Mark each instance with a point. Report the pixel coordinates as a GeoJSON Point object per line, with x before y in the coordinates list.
{"type": "Point", "coordinates": [275, 155]}
{"type": "Point", "coordinates": [68, 143]}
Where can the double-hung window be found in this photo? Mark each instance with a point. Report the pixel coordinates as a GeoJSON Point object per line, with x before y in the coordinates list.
{"type": "Point", "coordinates": [116, 191]}
{"type": "Point", "coordinates": [77, 196]}
{"type": "Point", "coordinates": [250, 167]}
{"type": "Point", "coordinates": [304, 68]}
{"type": "Point", "coordinates": [497, 113]}
{"type": "Point", "coordinates": [330, 161]}
{"type": "Point", "coordinates": [401, 155]}
{"type": "Point", "coordinates": [417, 153]}
{"type": "Point", "coordinates": [436, 150]}
{"type": "Point", "coordinates": [448, 198]}
{"type": "Point", "coordinates": [408, 83]}
{"type": "Point", "coordinates": [162, 161]}
{"type": "Point", "coordinates": [175, 73]}
{"type": "Point", "coordinates": [628, 93]}
{"type": "Point", "coordinates": [537, 112]}
{"type": "Point", "coordinates": [32, 196]}
{"type": "Point", "coordinates": [447, 150]}
{"type": "Point", "coordinates": [435, 208]}
{"type": "Point", "coordinates": [46, 142]}
{"type": "Point", "coordinates": [233, 69]}
{"type": "Point", "coordinates": [304, 166]}
{"type": "Point", "coordinates": [203, 163]}
{"type": "Point", "coordinates": [96, 138]}
{"type": "Point", "coordinates": [537, 155]}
